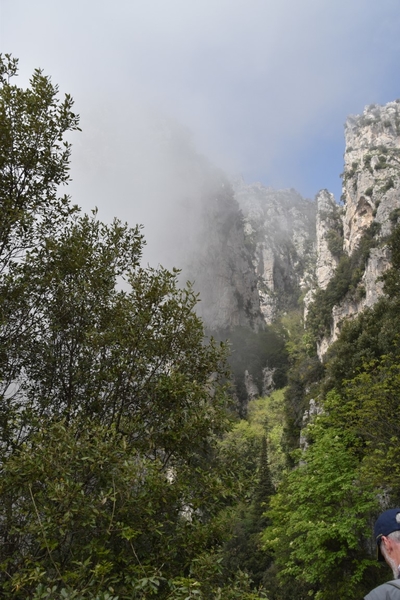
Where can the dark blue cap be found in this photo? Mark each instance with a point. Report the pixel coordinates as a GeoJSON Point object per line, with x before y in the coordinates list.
{"type": "Point", "coordinates": [386, 523]}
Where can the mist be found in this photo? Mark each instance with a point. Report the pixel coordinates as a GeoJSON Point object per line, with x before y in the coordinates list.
{"type": "Point", "coordinates": [144, 170]}
{"type": "Point", "coordinates": [170, 91]}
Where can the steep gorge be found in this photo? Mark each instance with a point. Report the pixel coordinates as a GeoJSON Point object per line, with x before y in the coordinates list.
{"type": "Point", "coordinates": [264, 251]}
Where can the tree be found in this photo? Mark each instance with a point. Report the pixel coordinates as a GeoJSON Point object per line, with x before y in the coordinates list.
{"type": "Point", "coordinates": [244, 551]}
{"type": "Point", "coordinates": [246, 449]}
{"type": "Point", "coordinates": [97, 350]}
{"type": "Point", "coordinates": [102, 363]}
{"type": "Point", "coordinates": [112, 401]}
{"type": "Point", "coordinates": [320, 519]}
{"type": "Point", "coordinates": [34, 162]}
{"type": "Point", "coordinates": [34, 159]}
{"type": "Point", "coordinates": [366, 408]}
{"type": "Point", "coordinates": [322, 516]}
{"type": "Point", "coordinates": [264, 489]}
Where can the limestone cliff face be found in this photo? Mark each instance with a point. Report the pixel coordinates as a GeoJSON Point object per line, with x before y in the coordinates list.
{"type": "Point", "coordinates": [280, 231]}
{"type": "Point", "coordinates": [351, 306]}
{"type": "Point", "coordinates": [221, 266]}
{"type": "Point", "coordinates": [371, 195]}
{"type": "Point", "coordinates": [257, 249]}
{"type": "Point", "coordinates": [329, 244]}
{"type": "Point", "coordinates": [329, 233]}
{"type": "Point", "coordinates": [256, 252]}
{"type": "Point", "coordinates": [371, 171]}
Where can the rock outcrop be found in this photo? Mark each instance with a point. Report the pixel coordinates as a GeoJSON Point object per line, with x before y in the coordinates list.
{"type": "Point", "coordinates": [329, 244]}
{"type": "Point", "coordinates": [249, 254]}
{"type": "Point", "coordinates": [221, 264]}
{"type": "Point", "coordinates": [371, 196]}
{"type": "Point", "coordinates": [329, 237]}
{"type": "Point", "coordinates": [258, 249]}
{"type": "Point", "coordinates": [253, 254]}
{"type": "Point", "coordinates": [371, 171]}
{"type": "Point", "coordinates": [280, 231]}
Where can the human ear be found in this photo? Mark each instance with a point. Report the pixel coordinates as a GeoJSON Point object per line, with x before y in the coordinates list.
{"type": "Point", "coordinates": [386, 543]}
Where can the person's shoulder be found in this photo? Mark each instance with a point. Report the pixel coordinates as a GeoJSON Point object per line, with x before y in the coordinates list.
{"type": "Point", "coordinates": [386, 591]}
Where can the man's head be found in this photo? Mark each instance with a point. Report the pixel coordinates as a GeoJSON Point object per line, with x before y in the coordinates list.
{"type": "Point", "coordinates": [387, 536]}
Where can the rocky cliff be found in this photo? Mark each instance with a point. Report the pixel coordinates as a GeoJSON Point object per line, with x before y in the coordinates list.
{"type": "Point", "coordinates": [280, 229]}
{"type": "Point", "coordinates": [371, 171]}
{"type": "Point", "coordinates": [254, 255]}
{"type": "Point", "coordinates": [371, 197]}
{"type": "Point", "coordinates": [251, 257]}
{"type": "Point", "coordinates": [329, 235]}
{"type": "Point", "coordinates": [258, 250]}
{"type": "Point", "coordinates": [220, 263]}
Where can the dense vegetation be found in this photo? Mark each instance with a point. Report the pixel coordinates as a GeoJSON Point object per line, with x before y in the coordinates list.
{"type": "Point", "coordinates": [348, 468]}
{"type": "Point", "coordinates": [124, 470]}
{"type": "Point", "coordinates": [112, 406]}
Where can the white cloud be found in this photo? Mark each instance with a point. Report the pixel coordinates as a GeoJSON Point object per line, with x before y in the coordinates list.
{"type": "Point", "coordinates": [262, 84]}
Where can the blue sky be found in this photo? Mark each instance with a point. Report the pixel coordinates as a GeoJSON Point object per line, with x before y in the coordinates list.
{"type": "Point", "coordinates": [260, 87]}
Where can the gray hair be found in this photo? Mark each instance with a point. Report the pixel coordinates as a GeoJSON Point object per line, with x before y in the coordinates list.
{"type": "Point", "coordinates": [395, 537]}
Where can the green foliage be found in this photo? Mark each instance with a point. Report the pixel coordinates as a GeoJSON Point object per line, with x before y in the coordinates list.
{"type": "Point", "coordinates": [391, 277]}
{"type": "Point", "coordinates": [239, 589]}
{"type": "Point", "coordinates": [243, 549]}
{"type": "Point", "coordinates": [345, 280]}
{"type": "Point", "coordinates": [305, 369]}
{"type": "Point", "coordinates": [94, 516]}
{"type": "Point", "coordinates": [361, 340]}
{"type": "Point", "coordinates": [320, 311]}
{"type": "Point", "coordinates": [382, 163]}
{"type": "Point", "coordinates": [351, 172]}
{"type": "Point", "coordinates": [334, 236]}
{"type": "Point", "coordinates": [133, 363]}
{"type": "Point", "coordinates": [374, 333]}
{"type": "Point", "coordinates": [47, 593]}
{"type": "Point", "coordinates": [367, 162]}
{"type": "Point", "coordinates": [335, 242]}
{"type": "Point", "coordinates": [75, 517]}
{"type": "Point", "coordinates": [320, 518]}
{"type": "Point", "coordinates": [81, 357]}
{"type": "Point", "coordinates": [112, 402]}
{"type": "Point", "coordinates": [363, 409]}
{"type": "Point", "coordinates": [303, 378]}
{"type": "Point", "coordinates": [253, 448]}
{"type": "Point", "coordinates": [360, 293]}
{"type": "Point", "coordinates": [240, 448]}
{"type": "Point", "coordinates": [389, 184]}
{"type": "Point", "coordinates": [34, 159]}
{"type": "Point", "coordinates": [264, 488]}
{"type": "Point", "coordinates": [266, 416]}
{"type": "Point", "coordinates": [394, 216]}
{"type": "Point", "coordinates": [299, 342]}
{"type": "Point", "coordinates": [180, 588]}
